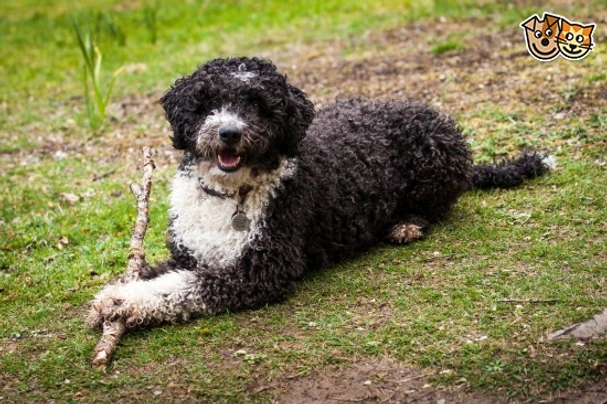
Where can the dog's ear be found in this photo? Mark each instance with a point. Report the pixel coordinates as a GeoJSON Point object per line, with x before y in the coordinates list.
{"type": "Point", "coordinates": [530, 22]}
{"type": "Point", "coordinates": [300, 113]}
{"type": "Point", "coordinates": [177, 107]}
{"type": "Point", "coordinates": [551, 20]}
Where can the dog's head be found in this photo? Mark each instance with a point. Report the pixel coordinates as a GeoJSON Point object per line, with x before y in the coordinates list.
{"type": "Point", "coordinates": [540, 36]}
{"type": "Point", "coordinates": [237, 113]}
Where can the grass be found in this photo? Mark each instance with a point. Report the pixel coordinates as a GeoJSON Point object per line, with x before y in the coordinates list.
{"type": "Point", "coordinates": [447, 47]}
{"type": "Point", "coordinates": [66, 213]}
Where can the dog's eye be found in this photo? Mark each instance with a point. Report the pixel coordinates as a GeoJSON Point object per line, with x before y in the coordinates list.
{"type": "Point", "coordinates": [257, 103]}
{"type": "Point", "coordinates": [537, 34]}
{"type": "Point", "coordinates": [548, 32]}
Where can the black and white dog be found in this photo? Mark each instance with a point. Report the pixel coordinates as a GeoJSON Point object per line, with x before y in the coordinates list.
{"type": "Point", "coordinates": [266, 192]}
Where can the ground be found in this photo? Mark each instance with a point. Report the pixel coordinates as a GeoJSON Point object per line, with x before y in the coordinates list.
{"type": "Point", "coordinates": [388, 382]}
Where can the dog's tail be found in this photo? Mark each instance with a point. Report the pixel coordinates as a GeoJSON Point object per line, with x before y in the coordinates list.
{"type": "Point", "coordinates": [511, 172]}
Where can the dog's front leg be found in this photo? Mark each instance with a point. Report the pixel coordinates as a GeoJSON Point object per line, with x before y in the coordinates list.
{"type": "Point", "coordinates": [261, 276]}
{"type": "Point", "coordinates": [171, 297]}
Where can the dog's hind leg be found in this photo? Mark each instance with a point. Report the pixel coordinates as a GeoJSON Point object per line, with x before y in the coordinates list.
{"type": "Point", "coordinates": [407, 231]}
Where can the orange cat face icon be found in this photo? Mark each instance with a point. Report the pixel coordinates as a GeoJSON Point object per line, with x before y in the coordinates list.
{"type": "Point", "coordinates": [540, 36]}
{"type": "Point", "coordinates": [574, 40]}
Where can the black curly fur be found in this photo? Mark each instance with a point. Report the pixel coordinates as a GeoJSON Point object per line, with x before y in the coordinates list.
{"type": "Point", "coordinates": [510, 172]}
{"type": "Point", "coordinates": [286, 111]}
{"type": "Point", "coordinates": [362, 167]}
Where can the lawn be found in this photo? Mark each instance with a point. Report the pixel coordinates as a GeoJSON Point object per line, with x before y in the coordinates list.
{"type": "Point", "coordinates": [461, 315]}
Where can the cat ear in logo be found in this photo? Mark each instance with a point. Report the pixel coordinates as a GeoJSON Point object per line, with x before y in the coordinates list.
{"type": "Point", "coordinates": [540, 36]}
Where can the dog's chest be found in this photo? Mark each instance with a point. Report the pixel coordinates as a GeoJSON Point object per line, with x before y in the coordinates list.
{"type": "Point", "coordinates": [203, 222]}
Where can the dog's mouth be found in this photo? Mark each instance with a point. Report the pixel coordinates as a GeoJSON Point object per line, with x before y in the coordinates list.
{"type": "Point", "coordinates": [549, 52]}
{"type": "Point", "coordinates": [229, 161]}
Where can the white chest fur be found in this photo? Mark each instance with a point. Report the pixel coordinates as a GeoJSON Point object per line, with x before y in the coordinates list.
{"type": "Point", "coordinates": [203, 222]}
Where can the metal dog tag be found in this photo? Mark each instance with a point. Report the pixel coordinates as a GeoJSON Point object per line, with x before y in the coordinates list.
{"type": "Point", "coordinates": [240, 221]}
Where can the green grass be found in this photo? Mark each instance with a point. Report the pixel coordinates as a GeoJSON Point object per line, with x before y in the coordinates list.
{"type": "Point", "coordinates": [434, 304]}
{"type": "Point", "coordinates": [447, 47]}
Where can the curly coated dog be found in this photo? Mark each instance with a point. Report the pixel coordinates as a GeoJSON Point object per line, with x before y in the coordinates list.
{"type": "Point", "coordinates": [266, 191]}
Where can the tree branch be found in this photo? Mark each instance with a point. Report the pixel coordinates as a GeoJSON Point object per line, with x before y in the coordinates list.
{"type": "Point", "coordinates": [114, 330]}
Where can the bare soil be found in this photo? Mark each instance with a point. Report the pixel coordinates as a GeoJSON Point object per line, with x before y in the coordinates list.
{"type": "Point", "coordinates": [384, 381]}
{"type": "Point", "coordinates": [380, 381]}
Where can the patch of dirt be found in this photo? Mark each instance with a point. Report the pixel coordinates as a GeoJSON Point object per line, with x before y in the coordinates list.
{"type": "Point", "coordinates": [398, 63]}
{"type": "Point", "coordinates": [364, 382]}
{"type": "Point", "coordinates": [384, 381]}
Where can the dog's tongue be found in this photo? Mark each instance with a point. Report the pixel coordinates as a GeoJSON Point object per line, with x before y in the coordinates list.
{"type": "Point", "coordinates": [229, 159]}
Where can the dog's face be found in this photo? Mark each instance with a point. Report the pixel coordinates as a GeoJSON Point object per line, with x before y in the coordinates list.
{"type": "Point", "coordinates": [237, 117]}
{"type": "Point", "coordinates": [540, 36]}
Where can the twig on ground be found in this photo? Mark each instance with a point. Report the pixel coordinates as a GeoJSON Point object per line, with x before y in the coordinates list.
{"type": "Point", "coordinates": [98, 177]}
{"type": "Point", "coordinates": [409, 379]}
{"type": "Point", "coordinates": [350, 400]}
{"type": "Point", "coordinates": [528, 300]}
{"type": "Point", "coordinates": [114, 330]}
{"type": "Point", "coordinates": [264, 388]}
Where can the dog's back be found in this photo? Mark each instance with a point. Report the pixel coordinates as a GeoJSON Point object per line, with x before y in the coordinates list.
{"type": "Point", "coordinates": [371, 165]}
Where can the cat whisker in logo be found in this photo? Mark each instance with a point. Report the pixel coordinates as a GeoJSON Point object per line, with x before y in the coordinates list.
{"type": "Point", "coordinates": [553, 35]}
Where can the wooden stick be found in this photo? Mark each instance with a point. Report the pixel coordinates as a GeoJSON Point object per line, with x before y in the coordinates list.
{"type": "Point", "coordinates": [536, 301]}
{"type": "Point", "coordinates": [114, 330]}
{"type": "Point", "coordinates": [107, 345]}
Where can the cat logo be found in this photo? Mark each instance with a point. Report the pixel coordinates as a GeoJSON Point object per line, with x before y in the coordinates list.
{"type": "Point", "coordinates": [553, 36]}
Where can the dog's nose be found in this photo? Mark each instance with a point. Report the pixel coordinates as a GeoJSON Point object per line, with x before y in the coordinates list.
{"type": "Point", "coordinates": [229, 134]}
{"type": "Point", "coordinates": [545, 42]}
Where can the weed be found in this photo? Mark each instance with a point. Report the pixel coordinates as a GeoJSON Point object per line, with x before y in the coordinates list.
{"type": "Point", "coordinates": [96, 99]}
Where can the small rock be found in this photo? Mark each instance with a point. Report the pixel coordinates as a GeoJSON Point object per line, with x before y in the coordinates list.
{"type": "Point", "coordinates": [70, 198]}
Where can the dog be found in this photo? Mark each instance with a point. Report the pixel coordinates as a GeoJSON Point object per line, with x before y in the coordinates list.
{"type": "Point", "coordinates": [267, 190]}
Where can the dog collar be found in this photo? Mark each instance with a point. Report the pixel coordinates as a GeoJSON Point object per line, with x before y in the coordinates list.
{"type": "Point", "coordinates": [242, 191]}
{"type": "Point", "coordinates": [239, 220]}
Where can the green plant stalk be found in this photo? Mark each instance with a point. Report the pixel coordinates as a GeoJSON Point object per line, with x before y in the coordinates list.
{"type": "Point", "coordinates": [93, 121]}
{"type": "Point", "coordinates": [93, 59]}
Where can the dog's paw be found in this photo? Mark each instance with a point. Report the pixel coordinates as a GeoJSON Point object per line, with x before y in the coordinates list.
{"type": "Point", "coordinates": [99, 312]}
{"type": "Point", "coordinates": [117, 303]}
{"type": "Point", "coordinates": [405, 233]}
